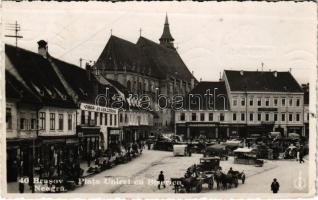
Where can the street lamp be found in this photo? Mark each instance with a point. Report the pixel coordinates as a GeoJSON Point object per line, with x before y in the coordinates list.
{"type": "Point", "coordinates": [214, 98]}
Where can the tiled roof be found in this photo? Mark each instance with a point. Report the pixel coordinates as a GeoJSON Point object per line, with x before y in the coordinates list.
{"type": "Point", "coordinates": [146, 57]}
{"type": "Point", "coordinates": [78, 79]}
{"type": "Point", "coordinates": [39, 75]}
{"type": "Point", "coordinates": [122, 55]}
{"type": "Point", "coordinates": [261, 81]}
{"type": "Point", "coordinates": [201, 89]}
{"type": "Point", "coordinates": [16, 90]}
{"type": "Point", "coordinates": [167, 61]}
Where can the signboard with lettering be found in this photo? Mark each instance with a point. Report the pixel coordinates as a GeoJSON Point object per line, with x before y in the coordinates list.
{"type": "Point", "coordinates": [95, 108]}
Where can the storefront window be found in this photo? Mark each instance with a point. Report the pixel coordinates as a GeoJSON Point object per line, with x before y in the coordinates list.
{"type": "Point", "coordinates": [52, 121]}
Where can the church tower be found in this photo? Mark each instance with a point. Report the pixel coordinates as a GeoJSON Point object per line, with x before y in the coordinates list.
{"type": "Point", "coordinates": [166, 39]}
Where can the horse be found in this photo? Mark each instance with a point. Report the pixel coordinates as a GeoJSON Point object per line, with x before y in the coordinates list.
{"type": "Point", "coordinates": [227, 180]}
{"type": "Point", "coordinates": [191, 183]}
{"type": "Point", "coordinates": [240, 175]}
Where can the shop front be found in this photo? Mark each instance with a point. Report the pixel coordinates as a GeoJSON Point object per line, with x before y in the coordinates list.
{"type": "Point", "coordinates": [22, 157]}
{"type": "Point", "coordinates": [89, 139]}
{"type": "Point", "coordinates": [56, 154]}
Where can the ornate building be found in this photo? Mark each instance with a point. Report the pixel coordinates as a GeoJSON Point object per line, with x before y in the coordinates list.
{"type": "Point", "coordinates": [246, 104]}
{"type": "Point", "coordinates": [148, 68]}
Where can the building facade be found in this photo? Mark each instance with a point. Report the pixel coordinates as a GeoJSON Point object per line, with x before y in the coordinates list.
{"type": "Point", "coordinates": [257, 103]}
{"type": "Point", "coordinates": [147, 68]}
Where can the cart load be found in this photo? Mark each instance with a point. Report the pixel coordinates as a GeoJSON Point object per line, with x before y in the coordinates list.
{"type": "Point", "coordinates": [219, 150]}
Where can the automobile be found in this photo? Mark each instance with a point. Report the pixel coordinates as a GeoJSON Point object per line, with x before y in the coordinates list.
{"type": "Point", "coordinates": [209, 163]}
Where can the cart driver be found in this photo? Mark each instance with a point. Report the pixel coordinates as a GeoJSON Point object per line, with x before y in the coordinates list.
{"type": "Point", "coordinates": [230, 171]}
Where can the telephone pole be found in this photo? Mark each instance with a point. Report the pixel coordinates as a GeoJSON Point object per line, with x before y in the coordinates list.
{"type": "Point", "coordinates": [16, 28]}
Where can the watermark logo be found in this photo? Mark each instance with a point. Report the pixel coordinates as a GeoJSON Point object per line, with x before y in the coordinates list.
{"type": "Point", "coordinates": [299, 182]}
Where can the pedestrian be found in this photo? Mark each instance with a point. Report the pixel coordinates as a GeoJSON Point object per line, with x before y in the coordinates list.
{"type": "Point", "coordinates": [21, 187]}
{"type": "Point", "coordinates": [301, 157]}
{"type": "Point", "coordinates": [298, 155]}
{"type": "Point", "coordinates": [161, 179]}
{"type": "Point", "coordinates": [275, 186]}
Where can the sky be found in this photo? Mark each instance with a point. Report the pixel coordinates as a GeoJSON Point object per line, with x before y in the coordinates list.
{"type": "Point", "coordinates": [210, 36]}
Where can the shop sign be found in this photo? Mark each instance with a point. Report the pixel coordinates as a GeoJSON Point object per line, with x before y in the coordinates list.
{"type": "Point", "coordinates": [95, 108]}
{"type": "Point", "coordinates": [267, 109]}
{"type": "Point", "coordinates": [114, 132]}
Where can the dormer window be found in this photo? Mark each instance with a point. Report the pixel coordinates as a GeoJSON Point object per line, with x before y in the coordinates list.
{"type": "Point", "coordinates": [41, 92]}
{"type": "Point", "coordinates": [83, 92]}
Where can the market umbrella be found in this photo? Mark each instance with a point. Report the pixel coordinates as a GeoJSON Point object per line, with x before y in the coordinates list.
{"type": "Point", "coordinates": [293, 135]}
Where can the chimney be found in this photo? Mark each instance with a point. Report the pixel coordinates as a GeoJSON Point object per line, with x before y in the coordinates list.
{"type": "Point", "coordinates": [42, 48]}
{"type": "Point", "coordinates": [89, 71]}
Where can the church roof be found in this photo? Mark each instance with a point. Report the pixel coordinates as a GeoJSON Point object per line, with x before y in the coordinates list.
{"type": "Point", "coordinates": [146, 57]}
{"type": "Point", "coordinates": [122, 55]}
{"type": "Point", "coordinates": [166, 35]}
{"type": "Point", "coordinates": [261, 81]}
{"type": "Point", "coordinates": [166, 60]}
{"type": "Point", "coordinates": [39, 76]}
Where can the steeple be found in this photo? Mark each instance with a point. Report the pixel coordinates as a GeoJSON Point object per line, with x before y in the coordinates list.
{"type": "Point", "coordinates": [166, 38]}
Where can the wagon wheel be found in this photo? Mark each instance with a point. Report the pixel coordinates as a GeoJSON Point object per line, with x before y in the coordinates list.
{"type": "Point", "coordinates": [210, 184]}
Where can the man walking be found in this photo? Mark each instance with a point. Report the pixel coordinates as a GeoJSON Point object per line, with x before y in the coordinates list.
{"type": "Point", "coordinates": [275, 186]}
{"type": "Point", "coordinates": [301, 156]}
{"type": "Point", "coordinates": [161, 179]}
